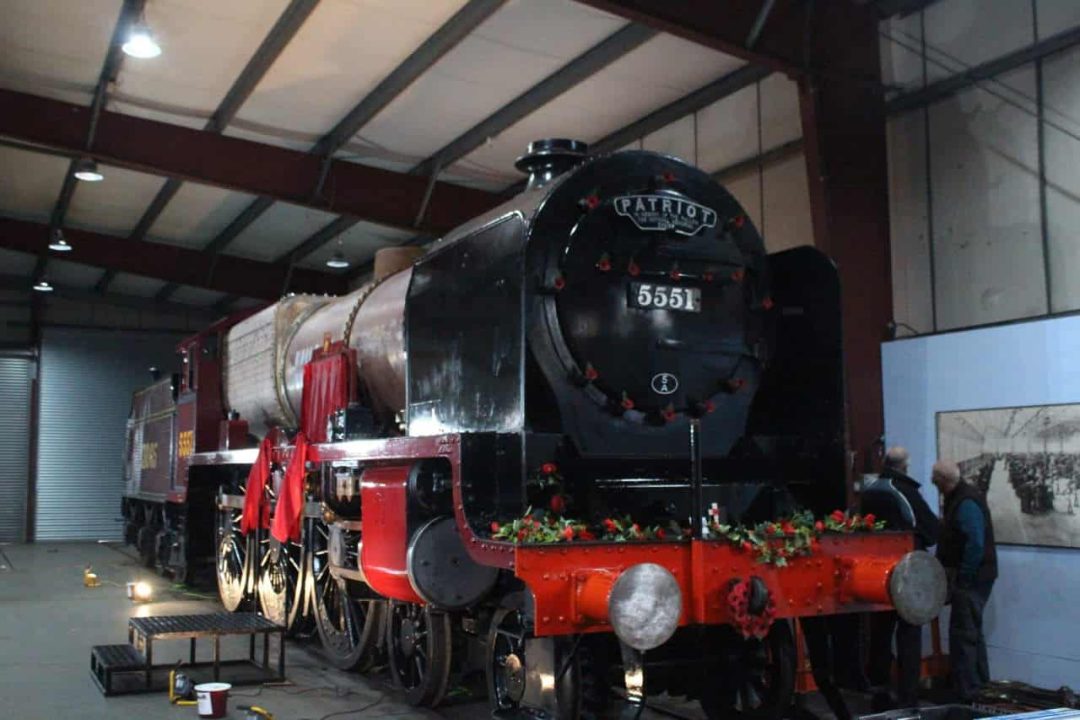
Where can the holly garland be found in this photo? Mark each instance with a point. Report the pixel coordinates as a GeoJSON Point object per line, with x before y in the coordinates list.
{"type": "Point", "coordinates": [547, 527]}
{"type": "Point", "coordinates": [778, 542]}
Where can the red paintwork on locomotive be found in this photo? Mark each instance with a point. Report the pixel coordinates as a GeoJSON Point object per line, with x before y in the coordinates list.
{"type": "Point", "coordinates": [150, 442]}
{"type": "Point", "coordinates": [384, 497]}
{"type": "Point", "coordinates": [848, 573]}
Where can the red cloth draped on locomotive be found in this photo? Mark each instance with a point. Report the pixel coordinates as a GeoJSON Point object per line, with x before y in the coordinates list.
{"type": "Point", "coordinates": [597, 421]}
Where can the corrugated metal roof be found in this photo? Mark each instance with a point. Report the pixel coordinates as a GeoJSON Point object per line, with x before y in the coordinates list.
{"type": "Point", "coordinates": [278, 230]}
{"type": "Point", "coordinates": [116, 203]}
{"type": "Point", "coordinates": [197, 214]}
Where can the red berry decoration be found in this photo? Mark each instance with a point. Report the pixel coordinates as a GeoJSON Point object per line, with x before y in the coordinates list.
{"type": "Point", "coordinates": [738, 275]}
{"type": "Point", "coordinates": [710, 406]}
{"type": "Point", "coordinates": [559, 282]}
{"type": "Point", "coordinates": [568, 533]}
{"type": "Point", "coordinates": [633, 269]}
{"type": "Point", "coordinates": [675, 274]}
{"type": "Point", "coordinates": [592, 202]}
{"type": "Point", "coordinates": [557, 504]}
{"type": "Point", "coordinates": [669, 413]}
{"type": "Point", "coordinates": [604, 264]}
{"type": "Point", "coordinates": [549, 468]}
{"type": "Point", "coordinates": [591, 373]}
{"type": "Point", "coordinates": [738, 221]}
{"type": "Point", "coordinates": [494, 527]}
{"type": "Point", "coordinates": [627, 403]}
{"type": "Point", "coordinates": [668, 176]}
{"type": "Point", "coordinates": [767, 303]}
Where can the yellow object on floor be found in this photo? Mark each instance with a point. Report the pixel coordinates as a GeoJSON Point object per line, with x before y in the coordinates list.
{"type": "Point", "coordinates": [254, 712]}
{"type": "Point", "coordinates": [90, 578]}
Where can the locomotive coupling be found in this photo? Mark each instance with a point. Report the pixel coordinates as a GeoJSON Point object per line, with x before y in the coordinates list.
{"type": "Point", "coordinates": [916, 585]}
{"type": "Point", "coordinates": [642, 604]}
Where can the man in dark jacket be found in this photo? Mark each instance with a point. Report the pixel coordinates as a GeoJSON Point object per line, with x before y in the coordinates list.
{"type": "Point", "coordinates": [967, 551]}
{"type": "Point", "coordinates": [895, 498]}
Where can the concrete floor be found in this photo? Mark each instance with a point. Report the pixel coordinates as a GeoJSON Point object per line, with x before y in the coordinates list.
{"type": "Point", "coordinates": [49, 621]}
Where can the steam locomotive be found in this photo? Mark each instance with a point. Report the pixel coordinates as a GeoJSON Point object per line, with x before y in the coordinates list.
{"type": "Point", "coordinates": [578, 443]}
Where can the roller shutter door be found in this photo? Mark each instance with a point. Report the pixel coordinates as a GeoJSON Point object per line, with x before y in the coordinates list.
{"type": "Point", "coordinates": [87, 378]}
{"type": "Point", "coordinates": [15, 378]}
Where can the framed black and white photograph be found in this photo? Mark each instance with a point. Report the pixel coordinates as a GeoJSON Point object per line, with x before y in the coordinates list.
{"type": "Point", "coordinates": [1027, 461]}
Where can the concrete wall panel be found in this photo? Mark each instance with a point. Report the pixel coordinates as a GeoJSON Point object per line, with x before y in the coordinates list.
{"type": "Point", "coordinates": [1061, 97]}
{"type": "Point", "coordinates": [908, 222]}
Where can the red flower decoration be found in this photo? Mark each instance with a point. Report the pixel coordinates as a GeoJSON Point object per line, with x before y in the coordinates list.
{"type": "Point", "coordinates": [869, 520]}
{"type": "Point", "coordinates": [738, 275]}
{"type": "Point", "coordinates": [669, 413]}
{"type": "Point", "coordinates": [609, 525]}
{"type": "Point", "coordinates": [559, 282]}
{"type": "Point", "coordinates": [668, 176]}
{"type": "Point", "coordinates": [746, 546]}
{"type": "Point", "coordinates": [591, 373]}
{"type": "Point", "coordinates": [633, 269]}
{"type": "Point", "coordinates": [819, 526]}
{"type": "Point", "coordinates": [627, 403]}
{"type": "Point", "coordinates": [604, 265]}
{"type": "Point", "coordinates": [522, 534]}
{"type": "Point", "coordinates": [838, 516]}
{"type": "Point", "coordinates": [709, 406]}
{"type": "Point", "coordinates": [568, 533]}
{"type": "Point", "coordinates": [494, 527]}
{"type": "Point", "coordinates": [549, 468]}
{"type": "Point", "coordinates": [557, 504]}
{"type": "Point", "coordinates": [738, 221]}
{"type": "Point", "coordinates": [592, 202]}
{"type": "Point", "coordinates": [788, 528]}
{"type": "Point", "coordinates": [660, 534]}
{"type": "Point", "coordinates": [585, 535]}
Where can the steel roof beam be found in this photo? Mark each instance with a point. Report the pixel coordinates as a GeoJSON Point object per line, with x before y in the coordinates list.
{"type": "Point", "coordinates": [580, 68]}
{"type": "Point", "coordinates": [370, 193]}
{"type": "Point", "coordinates": [171, 263]}
{"type": "Point", "coordinates": [135, 302]}
{"type": "Point", "coordinates": [442, 41]}
{"type": "Point", "coordinates": [286, 27]}
{"type": "Point", "coordinates": [447, 37]}
{"type": "Point", "coordinates": [110, 69]}
{"type": "Point", "coordinates": [797, 40]}
{"type": "Point", "coordinates": [717, 90]}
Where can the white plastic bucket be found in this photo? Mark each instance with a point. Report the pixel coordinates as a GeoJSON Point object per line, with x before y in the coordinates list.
{"type": "Point", "coordinates": [213, 699]}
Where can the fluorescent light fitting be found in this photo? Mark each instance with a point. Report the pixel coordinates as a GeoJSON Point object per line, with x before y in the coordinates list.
{"type": "Point", "coordinates": [86, 169]}
{"type": "Point", "coordinates": [43, 286]}
{"type": "Point", "coordinates": [337, 261]}
{"type": "Point", "coordinates": [141, 43]}
{"type": "Point", "coordinates": [59, 244]}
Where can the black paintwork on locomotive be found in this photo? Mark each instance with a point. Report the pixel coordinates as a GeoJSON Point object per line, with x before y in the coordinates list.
{"type": "Point", "coordinates": [507, 321]}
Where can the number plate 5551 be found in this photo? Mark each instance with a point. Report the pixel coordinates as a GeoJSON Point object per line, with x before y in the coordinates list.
{"type": "Point", "coordinates": [665, 297]}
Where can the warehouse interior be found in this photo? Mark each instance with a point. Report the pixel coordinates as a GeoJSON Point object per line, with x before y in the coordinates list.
{"type": "Point", "coordinates": [179, 183]}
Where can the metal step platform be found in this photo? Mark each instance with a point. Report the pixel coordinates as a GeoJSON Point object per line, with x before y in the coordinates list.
{"type": "Point", "coordinates": [121, 669]}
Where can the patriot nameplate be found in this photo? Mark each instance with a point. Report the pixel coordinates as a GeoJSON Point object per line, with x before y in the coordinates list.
{"type": "Point", "coordinates": [663, 212]}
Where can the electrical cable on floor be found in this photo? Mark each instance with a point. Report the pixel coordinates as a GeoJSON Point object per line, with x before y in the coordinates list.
{"type": "Point", "coordinates": [341, 713]}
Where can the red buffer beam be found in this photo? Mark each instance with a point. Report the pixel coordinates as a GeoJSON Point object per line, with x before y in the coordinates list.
{"type": "Point", "coordinates": [364, 192]}
{"type": "Point", "coordinates": [239, 276]}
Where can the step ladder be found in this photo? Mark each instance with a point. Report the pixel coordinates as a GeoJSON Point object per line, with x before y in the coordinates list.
{"type": "Point", "coordinates": [121, 669]}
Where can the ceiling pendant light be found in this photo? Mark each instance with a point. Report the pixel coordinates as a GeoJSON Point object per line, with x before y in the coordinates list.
{"type": "Point", "coordinates": [86, 169]}
{"type": "Point", "coordinates": [337, 261]}
{"type": "Point", "coordinates": [59, 244]}
{"type": "Point", "coordinates": [140, 41]}
{"type": "Point", "coordinates": [43, 286]}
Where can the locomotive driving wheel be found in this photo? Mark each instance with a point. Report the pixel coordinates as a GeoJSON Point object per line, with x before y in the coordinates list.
{"type": "Point", "coordinates": [232, 562]}
{"type": "Point", "coordinates": [348, 628]}
{"type": "Point", "coordinates": [756, 679]}
{"type": "Point", "coordinates": [418, 643]}
{"type": "Point", "coordinates": [514, 657]}
{"type": "Point", "coordinates": [280, 583]}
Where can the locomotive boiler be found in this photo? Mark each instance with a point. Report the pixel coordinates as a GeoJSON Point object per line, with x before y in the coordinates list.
{"type": "Point", "coordinates": [591, 437]}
